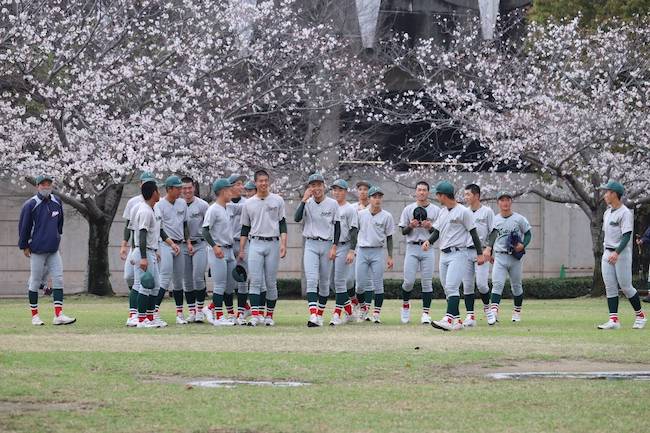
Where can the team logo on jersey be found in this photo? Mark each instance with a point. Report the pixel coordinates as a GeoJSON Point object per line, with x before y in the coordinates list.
{"type": "Point", "coordinates": [614, 223]}
{"type": "Point", "coordinates": [272, 208]}
{"type": "Point", "coordinates": [180, 212]}
{"type": "Point", "coordinates": [195, 215]}
{"type": "Point", "coordinates": [326, 213]}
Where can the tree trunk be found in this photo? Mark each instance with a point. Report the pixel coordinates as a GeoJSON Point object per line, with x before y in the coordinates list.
{"type": "Point", "coordinates": [596, 225]}
{"type": "Point", "coordinates": [98, 273]}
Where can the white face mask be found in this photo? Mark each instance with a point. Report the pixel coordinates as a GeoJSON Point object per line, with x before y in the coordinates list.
{"type": "Point", "coordinates": [46, 192]}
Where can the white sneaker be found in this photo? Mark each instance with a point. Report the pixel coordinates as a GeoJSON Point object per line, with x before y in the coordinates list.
{"type": "Point", "coordinates": [336, 320]}
{"type": "Point", "coordinates": [146, 323]}
{"type": "Point", "coordinates": [516, 316]}
{"type": "Point", "coordinates": [470, 321]}
{"type": "Point", "coordinates": [180, 320]}
{"type": "Point", "coordinates": [199, 317]}
{"type": "Point", "coordinates": [610, 324]}
{"type": "Point", "coordinates": [446, 324]}
{"type": "Point", "coordinates": [36, 321]}
{"type": "Point", "coordinates": [639, 322]}
{"type": "Point", "coordinates": [457, 325]}
{"type": "Point", "coordinates": [425, 319]}
{"type": "Point", "coordinates": [364, 317]}
{"type": "Point", "coordinates": [256, 320]}
{"type": "Point", "coordinates": [132, 321]}
{"type": "Point", "coordinates": [268, 321]}
{"type": "Point", "coordinates": [62, 319]}
{"type": "Point", "coordinates": [405, 317]}
{"type": "Point", "coordinates": [346, 318]}
{"type": "Point", "coordinates": [491, 317]}
{"type": "Point", "coordinates": [192, 317]}
{"type": "Point", "coordinates": [376, 318]}
{"type": "Point", "coordinates": [320, 320]}
{"type": "Point", "coordinates": [208, 314]}
{"type": "Point", "coordinates": [313, 321]}
{"type": "Point", "coordinates": [160, 323]}
{"type": "Point", "coordinates": [240, 321]}
{"type": "Point", "coordinates": [223, 321]}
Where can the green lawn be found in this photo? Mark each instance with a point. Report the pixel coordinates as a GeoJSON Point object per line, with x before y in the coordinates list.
{"type": "Point", "coordinates": [97, 375]}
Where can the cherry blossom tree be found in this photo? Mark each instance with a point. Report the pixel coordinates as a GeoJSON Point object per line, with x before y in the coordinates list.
{"type": "Point", "coordinates": [93, 92]}
{"type": "Point", "coordinates": [569, 105]}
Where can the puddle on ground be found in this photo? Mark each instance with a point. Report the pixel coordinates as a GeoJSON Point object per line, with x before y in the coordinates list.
{"type": "Point", "coordinates": [593, 375]}
{"type": "Point", "coordinates": [229, 383]}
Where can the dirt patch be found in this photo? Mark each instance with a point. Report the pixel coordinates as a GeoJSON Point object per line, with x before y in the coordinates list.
{"type": "Point", "coordinates": [24, 406]}
{"type": "Point", "coordinates": [562, 365]}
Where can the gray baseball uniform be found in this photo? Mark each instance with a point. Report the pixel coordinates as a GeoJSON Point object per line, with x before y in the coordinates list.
{"type": "Point", "coordinates": [617, 222]}
{"type": "Point", "coordinates": [172, 218]}
{"type": "Point", "coordinates": [263, 216]}
{"type": "Point", "coordinates": [196, 264]}
{"type": "Point", "coordinates": [414, 257]}
{"type": "Point", "coordinates": [318, 231]}
{"type": "Point", "coordinates": [234, 210]}
{"type": "Point", "coordinates": [484, 219]}
{"type": "Point", "coordinates": [352, 277]}
{"type": "Point", "coordinates": [146, 219]}
{"type": "Point", "coordinates": [340, 275]}
{"type": "Point", "coordinates": [371, 242]}
{"type": "Point", "coordinates": [454, 226]}
{"type": "Point", "coordinates": [129, 214]}
{"type": "Point", "coordinates": [217, 220]}
{"type": "Point", "coordinates": [505, 264]}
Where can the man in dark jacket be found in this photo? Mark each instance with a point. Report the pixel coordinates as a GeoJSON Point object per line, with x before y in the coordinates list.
{"type": "Point", "coordinates": [644, 243]}
{"type": "Point", "coordinates": [39, 235]}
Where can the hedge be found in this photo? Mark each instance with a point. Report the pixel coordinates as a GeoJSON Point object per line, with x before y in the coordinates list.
{"type": "Point", "coordinates": [539, 288]}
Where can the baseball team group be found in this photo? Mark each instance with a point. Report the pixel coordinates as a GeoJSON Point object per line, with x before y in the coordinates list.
{"type": "Point", "coordinates": [170, 242]}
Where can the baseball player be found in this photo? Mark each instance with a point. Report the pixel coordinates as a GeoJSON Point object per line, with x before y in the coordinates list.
{"type": "Point", "coordinates": [263, 221]}
{"type": "Point", "coordinates": [455, 224]}
{"type": "Point", "coordinates": [146, 276]}
{"type": "Point", "coordinates": [484, 220]}
{"type": "Point", "coordinates": [321, 230]}
{"type": "Point", "coordinates": [39, 235]}
{"type": "Point", "coordinates": [416, 222]}
{"type": "Point", "coordinates": [172, 212]}
{"type": "Point", "coordinates": [376, 228]}
{"type": "Point", "coordinates": [355, 293]}
{"type": "Point", "coordinates": [196, 261]}
{"type": "Point", "coordinates": [344, 254]}
{"type": "Point", "coordinates": [234, 208]}
{"type": "Point", "coordinates": [217, 231]}
{"type": "Point", "coordinates": [507, 243]}
{"type": "Point", "coordinates": [125, 252]}
{"type": "Point", "coordinates": [616, 264]}
{"type": "Point", "coordinates": [250, 189]}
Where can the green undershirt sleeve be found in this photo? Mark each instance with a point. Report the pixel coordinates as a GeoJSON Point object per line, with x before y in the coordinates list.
{"type": "Point", "coordinates": [476, 240]}
{"type": "Point", "coordinates": [354, 232]}
{"type": "Point", "coordinates": [283, 225]}
{"type": "Point", "coordinates": [389, 245]}
{"type": "Point", "coordinates": [337, 232]}
{"type": "Point", "coordinates": [528, 236]}
{"type": "Point", "coordinates": [208, 237]}
{"type": "Point", "coordinates": [143, 243]}
{"type": "Point", "coordinates": [163, 235]}
{"type": "Point", "coordinates": [297, 217]}
{"type": "Point", "coordinates": [624, 240]}
{"type": "Point", "coordinates": [492, 238]}
{"type": "Point", "coordinates": [435, 234]}
{"type": "Point", "coordinates": [245, 230]}
{"type": "Point", "coordinates": [127, 232]}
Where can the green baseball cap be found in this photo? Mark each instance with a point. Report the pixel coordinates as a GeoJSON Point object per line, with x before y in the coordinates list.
{"type": "Point", "coordinates": [147, 281]}
{"type": "Point", "coordinates": [42, 178]}
{"type": "Point", "coordinates": [445, 187]}
{"type": "Point", "coordinates": [375, 190]}
{"type": "Point", "coordinates": [316, 177]}
{"type": "Point", "coordinates": [504, 194]}
{"type": "Point", "coordinates": [612, 185]}
{"type": "Point", "coordinates": [220, 184]}
{"type": "Point", "coordinates": [147, 176]}
{"type": "Point", "coordinates": [250, 185]}
{"type": "Point", "coordinates": [233, 178]}
{"type": "Point", "coordinates": [363, 183]}
{"type": "Point", "coordinates": [340, 183]}
{"type": "Point", "coordinates": [173, 181]}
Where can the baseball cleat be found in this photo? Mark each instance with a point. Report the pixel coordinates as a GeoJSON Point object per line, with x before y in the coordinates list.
{"type": "Point", "coordinates": [336, 320]}
{"type": "Point", "coordinates": [199, 317]}
{"type": "Point", "coordinates": [159, 322]}
{"type": "Point", "coordinates": [62, 319]}
{"type": "Point", "coordinates": [256, 320]}
{"type": "Point", "coordinates": [132, 321]}
{"type": "Point", "coordinates": [491, 317]}
{"type": "Point", "coordinates": [347, 318]}
{"type": "Point", "coordinates": [36, 321]}
{"type": "Point", "coordinates": [457, 325]}
{"type": "Point", "coordinates": [516, 316]}
{"type": "Point", "coordinates": [180, 320]}
{"type": "Point", "coordinates": [320, 320]}
{"type": "Point", "coordinates": [405, 316]}
{"type": "Point", "coordinates": [639, 322]}
{"type": "Point", "coordinates": [240, 321]}
{"type": "Point", "coordinates": [192, 317]}
{"type": "Point", "coordinates": [470, 321]}
{"type": "Point", "coordinates": [376, 318]}
{"type": "Point", "coordinates": [313, 321]}
{"type": "Point", "coordinates": [207, 313]}
{"type": "Point", "coordinates": [425, 319]}
{"type": "Point", "coordinates": [610, 324]}
{"type": "Point", "coordinates": [147, 324]}
{"type": "Point", "coordinates": [223, 321]}
{"type": "Point", "coordinates": [446, 324]}
{"type": "Point", "coordinates": [268, 321]}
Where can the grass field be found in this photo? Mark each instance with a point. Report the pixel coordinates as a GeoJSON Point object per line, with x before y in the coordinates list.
{"type": "Point", "coordinates": [97, 375]}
